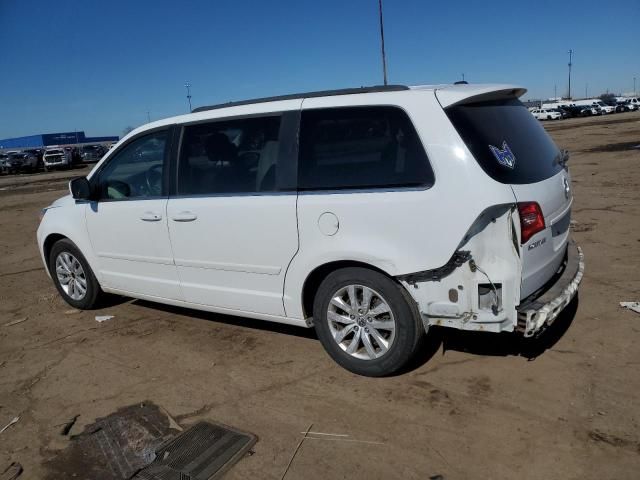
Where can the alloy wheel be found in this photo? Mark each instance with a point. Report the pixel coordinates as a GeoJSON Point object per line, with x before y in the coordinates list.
{"type": "Point", "coordinates": [71, 276]}
{"type": "Point", "coordinates": [361, 322]}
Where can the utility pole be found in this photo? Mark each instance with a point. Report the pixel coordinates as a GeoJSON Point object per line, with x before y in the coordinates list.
{"type": "Point", "coordinates": [570, 54]}
{"type": "Point", "coordinates": [188, 87]}
{"type": "Point", "coordinates": [384, 56]}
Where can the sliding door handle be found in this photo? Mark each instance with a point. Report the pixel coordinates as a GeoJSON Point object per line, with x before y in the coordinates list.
{"type": "Point", "coordinates": [184, 217]}
{"type": "Point", "coordinates": [150, 217]}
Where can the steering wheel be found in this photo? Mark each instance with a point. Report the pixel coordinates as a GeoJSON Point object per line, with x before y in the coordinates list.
{"type": "Point", "coordinates": [153, 179]}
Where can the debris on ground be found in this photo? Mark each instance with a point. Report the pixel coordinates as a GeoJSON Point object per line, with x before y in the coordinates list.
{"type": "Point", "coordinates": [295, 452]}
{"type": "Point", "coordinates": [103, 318]}
{"type": "Point", "coordinates": [15, 322]}
{"type": "Point", "coordinates": [114, 447]}
{"type": "Point", "coordinates": [634, 306]}
{"type": "Point", "coordinates": [143, 442]}
{"type": "Point", "coordinates": [66, 427]}
{"type": "Point", "coordinates": [13, 421]}
{"type": "Point", "coordinates": [205, 451]}
{"type": "Point", "coordinates": [12, 472]}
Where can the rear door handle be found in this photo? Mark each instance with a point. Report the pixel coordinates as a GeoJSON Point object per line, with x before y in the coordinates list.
{"type": "Point", "coordinates": [150, 217]}
{"type": "Point", "coordinates": [184, 217]}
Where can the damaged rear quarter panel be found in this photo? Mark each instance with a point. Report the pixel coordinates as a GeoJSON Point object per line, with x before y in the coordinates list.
{"type": "Point", "coordinates": [493, 257]}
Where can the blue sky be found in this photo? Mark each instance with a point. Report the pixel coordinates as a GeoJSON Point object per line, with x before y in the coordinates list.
{"type": "Point", "coordinates": [99, 66]}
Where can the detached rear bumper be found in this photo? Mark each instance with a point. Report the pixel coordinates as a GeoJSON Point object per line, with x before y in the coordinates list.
{"type": "Point", "coordinates": [540, 310]}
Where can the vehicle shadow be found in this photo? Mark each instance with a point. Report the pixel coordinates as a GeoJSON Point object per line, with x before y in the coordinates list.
{"type": "Point", "coordinates": [505, 344]}
{"type": "Point", "coordinates": [232, 320]}
{"type": "Point", "coordinates": [477, 343]}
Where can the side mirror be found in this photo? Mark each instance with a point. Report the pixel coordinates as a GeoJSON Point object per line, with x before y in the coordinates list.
{"type": "Point", "coordinates": [80, 188]}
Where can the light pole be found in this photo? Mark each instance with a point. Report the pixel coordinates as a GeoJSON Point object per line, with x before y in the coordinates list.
{"type": "Point", "coordinates": [570, 54]}
{"type": "Point", "coordinates": [384, 56]}
{"type": "Point", "coordinates": [586, 90]}
{"type": "Point", "coordinates": [463, 77]}
{"type": "Point", "coordinates": [555, 92]}
{"type": "Point", "coordinates": [634, 86]}
{"type": "Point", "coordinates": [188, 87]}
{"type": "Point", "coordinates": [148, 117]}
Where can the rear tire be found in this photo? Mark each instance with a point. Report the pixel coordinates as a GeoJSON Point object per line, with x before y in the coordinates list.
{"type": "Point", "coordinates": [377, 336]}
{"type": "Point", "coordinates": [73, 276]}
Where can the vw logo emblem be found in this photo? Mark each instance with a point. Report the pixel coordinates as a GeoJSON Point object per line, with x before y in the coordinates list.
{"type": "Point", "coordinates": [567, 188]}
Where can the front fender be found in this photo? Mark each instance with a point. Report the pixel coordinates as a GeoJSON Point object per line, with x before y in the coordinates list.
{"type": "Point", "coordinates": [67, 219]}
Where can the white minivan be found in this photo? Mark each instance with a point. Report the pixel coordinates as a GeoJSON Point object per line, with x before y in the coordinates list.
{"type": "Point", "coordinates": [371, 214]}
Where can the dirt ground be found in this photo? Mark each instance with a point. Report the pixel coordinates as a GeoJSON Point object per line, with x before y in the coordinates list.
{"type": "Point", "coordinates": [482, 406]}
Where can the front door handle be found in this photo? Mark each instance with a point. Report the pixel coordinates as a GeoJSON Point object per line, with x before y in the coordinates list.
{"type": "Point", "coordinates": [150, 217]}
{"type": "Point", "coordinates": [184, 217]}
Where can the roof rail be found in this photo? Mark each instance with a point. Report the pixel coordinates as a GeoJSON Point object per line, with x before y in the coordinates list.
{"type": "Point", "coordinates": [322, 93]}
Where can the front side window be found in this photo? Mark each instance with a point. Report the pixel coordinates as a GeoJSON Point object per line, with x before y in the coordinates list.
{"type": "Point", "coordinates": [136, 171]}
{"type": "Point", "coordinates": [360, 147]}
{"type": "Point", "coordinates": [229, 156]}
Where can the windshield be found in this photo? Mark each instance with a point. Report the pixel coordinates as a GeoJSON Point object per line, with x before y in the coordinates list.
{"type": "Point", "coordinates": [54, 152]}
{"type": "Point", "coordinates": [507, 141]}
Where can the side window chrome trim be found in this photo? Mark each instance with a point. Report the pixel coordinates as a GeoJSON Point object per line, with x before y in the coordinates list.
{"type": "Point", "coordinates": [351, 191]}
{"type": "Point", "coordinates": [239, 194]}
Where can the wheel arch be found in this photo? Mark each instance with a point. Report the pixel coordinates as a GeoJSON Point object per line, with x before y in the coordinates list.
{"type": "Point", "coordinates": [51, 239]}
{"type": "Point", "coordinates": [318, 274]}
{"type": "Point", "coordinates": [48, 244]}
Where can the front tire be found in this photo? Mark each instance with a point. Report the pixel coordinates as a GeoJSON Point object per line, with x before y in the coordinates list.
{"type": "Point", "coordinates": [73, 276]}
{"type": "Point", "coordinates": [366, 322]}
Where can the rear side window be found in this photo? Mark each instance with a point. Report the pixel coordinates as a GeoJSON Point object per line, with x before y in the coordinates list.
{"type": "Point", "coordinates": [360, 147]}
{"type": "Point", "coordinates": [507, 141]}
{"type": "Point", "coordinates": [231, 156]}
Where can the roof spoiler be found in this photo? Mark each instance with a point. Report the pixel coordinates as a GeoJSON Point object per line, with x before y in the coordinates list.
{"type": "Point", "coordinates": [449, 96]}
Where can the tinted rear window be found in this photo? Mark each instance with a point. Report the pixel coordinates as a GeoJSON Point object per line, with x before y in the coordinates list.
{"type": "Point", "coordinates": [360, 147]}
{"type": "Point", "coordinates": [522, 151]}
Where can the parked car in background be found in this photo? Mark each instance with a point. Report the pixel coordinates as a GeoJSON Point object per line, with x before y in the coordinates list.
{"type": "Point", "coordinates": [4, 163]}
{"type": "Point", "coordinates": [625, 107]}
{"type": "Point", "coordinates": [302, 210]}
{"type": "Point", "coordinates": [546, 114]}
{"type": "Point", "coordinates": [607, 108]}
{"type": "Point", "coordinates": [92, 153]}
{"type": "Point", "coordinates": [635, 101]}
{"type": "Point", "coordinates": [56, 158]}
{"type": "Point", "coordinates": [38, 153]}
{"type": "Point", "coordinates": [22, 162]}
{"type": "Point", "coordinates": [596, 103]}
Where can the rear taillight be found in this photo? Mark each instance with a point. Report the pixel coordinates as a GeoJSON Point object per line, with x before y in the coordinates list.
{"type": "Point", "coordinates": [531, 220]}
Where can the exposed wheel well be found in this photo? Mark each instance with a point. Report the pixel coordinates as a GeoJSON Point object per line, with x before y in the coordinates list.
{"type": "Point", "coordinates": [316, 277]}
{"type": "Point", "coordinates": [48, 244]}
